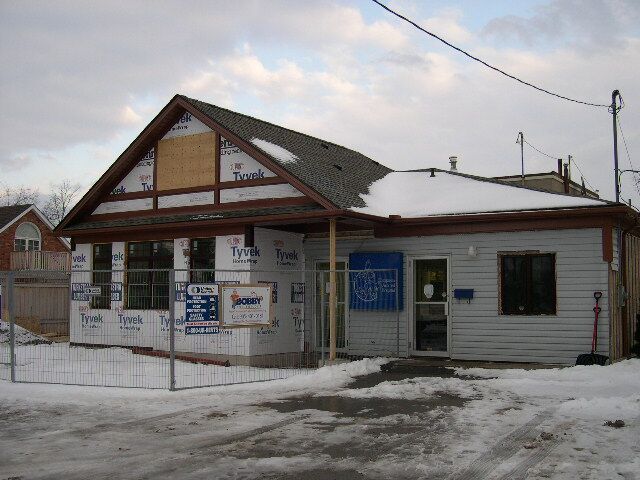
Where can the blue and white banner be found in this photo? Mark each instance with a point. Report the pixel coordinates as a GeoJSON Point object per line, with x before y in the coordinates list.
{"type": "Point", "coordinates": [376, 281]}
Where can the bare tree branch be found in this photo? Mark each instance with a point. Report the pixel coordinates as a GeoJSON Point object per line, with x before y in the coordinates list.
{"type": "Point", "coordinates": [61, 199]}
{"type": "Point", "coordinates": [20, 195]}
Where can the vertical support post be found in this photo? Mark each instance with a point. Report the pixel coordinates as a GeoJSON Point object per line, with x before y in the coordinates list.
{"type": "Point", "coordinates": [397, 315]}
{"type": "Point", "coordinates": [614, 112]}
{"type": "Point", "coordinates": [521, 141]}
{"type": "Point", "coordinates": [332, 290]}
{"type": "Point", "coordinates": [172, 329]}
{"type": "Point", "coordinates": [12, 329]}
{"type": "Point", "coordinates": [569, 158]}
{"type": "Point", "coordinates": [323, 317]}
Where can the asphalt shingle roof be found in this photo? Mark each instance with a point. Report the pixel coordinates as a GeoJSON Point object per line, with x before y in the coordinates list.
{"type": "Point", "coordinates": [335, 172]}
{"type": "Point", "coordinates": [7, 214]}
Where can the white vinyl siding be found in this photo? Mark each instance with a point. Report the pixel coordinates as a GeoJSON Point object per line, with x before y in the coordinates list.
{"type": "Point", "coordinates": [478, 331]}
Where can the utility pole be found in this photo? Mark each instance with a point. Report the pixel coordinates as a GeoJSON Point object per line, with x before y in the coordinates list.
{"type": "Point", "coordinates": [520, 140]}
{"type": "Point", "coordinates": [614, 111]}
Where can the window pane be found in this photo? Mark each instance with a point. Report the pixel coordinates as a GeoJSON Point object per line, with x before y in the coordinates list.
{"type": "Point", "coordinates": [139, 296]}
{"type": "Point", "coordinates": [162, 249]}
{"type": "Point", "coordinates": [514, 292]}
{"type": "Point", "coordinates": [203, 256]}
{"type": "Point", "coordinates": [20, 245]}
{"type": "Point", "coordinates": [102, 252]}
{"type": "Point", "coordinates": [27, 230]}
{"type": "Point", "coordinates": [542, 284]}
{"type": "Point", "coordinates": [139, 249]}
{"type": "Point", "coordinates": [102, 277]}
{"type": "Point", "coordinates": [149, 289]}
{"type": "Point", "coordinates": [431, 272]}
{"type": "Point", "coordinates": [203, 247]}
{"type": "Point", "coordinates": [160, 296]}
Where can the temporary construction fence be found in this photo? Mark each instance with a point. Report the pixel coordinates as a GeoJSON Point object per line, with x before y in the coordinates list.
{"type": "Point", "coordinates": [177, 329]}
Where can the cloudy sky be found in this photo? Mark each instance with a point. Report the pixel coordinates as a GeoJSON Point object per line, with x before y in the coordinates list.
{"type": "Point", "coordinates": [79, 80]}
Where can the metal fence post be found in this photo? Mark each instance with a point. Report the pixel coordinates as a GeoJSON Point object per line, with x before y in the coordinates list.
{"type": "Point", "coordinates": [322, 316]}
{"type": "Point", "coordinates": [172, 331]}
{"type": "Point", "coordinates": [397, 316]}
{"type": "Point", "coordinates": [12, 329]}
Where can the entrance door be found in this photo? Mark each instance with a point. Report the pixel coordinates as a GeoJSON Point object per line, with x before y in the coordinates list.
{"type": "Point", "coordinates": [431, 306]}
{"type": "Point", "coordinates": [321, 301]}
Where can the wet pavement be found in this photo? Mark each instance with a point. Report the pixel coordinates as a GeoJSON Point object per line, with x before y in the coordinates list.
{"type": "Point", "coordinates": [322, 436]}
{"type": "Point", "coordinates": [377, 426]}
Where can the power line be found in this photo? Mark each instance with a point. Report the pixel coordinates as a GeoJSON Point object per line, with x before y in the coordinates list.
{"type": "Point", "coordinates": [636, 177]}
{"type": "Point", "coordinates": [557, 157]}
{"type": "Point", "coordinates": [582, 175]}
{"type": "Point", "coordinates": [513, 77]}
{"type": "Point", "coordinates": [540, 151]}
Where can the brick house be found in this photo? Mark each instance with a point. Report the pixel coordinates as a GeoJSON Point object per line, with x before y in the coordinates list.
{"type": "Point", "coordinates": [23, 230]}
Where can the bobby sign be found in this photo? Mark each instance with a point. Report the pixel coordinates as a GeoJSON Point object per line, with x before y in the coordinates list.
{"type": "Point", "coordinates": [245, 305]}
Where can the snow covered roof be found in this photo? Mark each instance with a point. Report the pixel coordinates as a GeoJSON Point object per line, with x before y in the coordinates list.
{"type": "Point", "coordinates": [414, 194]}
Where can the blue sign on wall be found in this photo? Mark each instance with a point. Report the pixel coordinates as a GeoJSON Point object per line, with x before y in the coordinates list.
{"type": "Point", "coordinates": [376, 280]}
{"type": "Point", "coordinates": [201, 308]}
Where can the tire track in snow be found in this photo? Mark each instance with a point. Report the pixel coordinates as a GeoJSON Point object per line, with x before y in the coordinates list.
{"type": "Point", "coordinates": [238, 437]}
{"type": "Point", "coordinates": [504, 449]}
{"type": "Point", "coordinates": [520, 470]}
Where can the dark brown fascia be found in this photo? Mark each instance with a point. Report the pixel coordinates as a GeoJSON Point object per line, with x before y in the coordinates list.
{"type": "Point", "coordinates": [598, 213]}
{"type": "Point", "coordinates": [214, 223]}
{"type": "Point", "coordinates": [622, 211]}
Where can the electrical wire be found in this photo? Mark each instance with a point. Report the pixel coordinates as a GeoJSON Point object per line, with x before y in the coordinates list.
{"type": "Point", "coordinates": [636, 176]}
{"type": "Point", "coordinates": [540, 151]}
{"type": "Point", "coordinates": [513, 77]}
{"type": "Point", "coordinates": [582, 175]}
{"type": "Point", "coordinates": [555, 158]}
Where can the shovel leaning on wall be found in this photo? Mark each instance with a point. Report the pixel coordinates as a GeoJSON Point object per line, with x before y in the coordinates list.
{"type": "Point", "coordinates": [594, 358]}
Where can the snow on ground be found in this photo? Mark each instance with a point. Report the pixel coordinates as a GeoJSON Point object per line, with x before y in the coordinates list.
{"type": "Point", "coordinates": [119, 367]}
{"type": "Point", "coordinates": [276, 151]}
{"type": "Point", "coordinates": [477, 424]}
{"type": "Point", "coordinates": [22, 335]}
{"type": "Point", "coordinates": [449, 194]}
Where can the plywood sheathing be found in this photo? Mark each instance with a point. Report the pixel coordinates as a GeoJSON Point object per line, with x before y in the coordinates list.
{"type": "Point", "coordinates": [187, 161]}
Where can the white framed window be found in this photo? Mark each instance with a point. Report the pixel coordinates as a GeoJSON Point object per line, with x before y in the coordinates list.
{"type": "Point", "coordinates": [27, 237]}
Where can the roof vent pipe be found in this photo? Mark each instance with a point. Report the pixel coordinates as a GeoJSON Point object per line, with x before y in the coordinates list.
{"type": "Point", "coordinates": [453, 161]}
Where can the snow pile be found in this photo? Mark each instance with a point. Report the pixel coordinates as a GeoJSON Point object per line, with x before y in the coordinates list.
{"type": "Point", "coordinates": [417, 194]}
{"type": "Point", "coordinates": [276, 151]}
{"type": "Point", "coordinates": [22, 335]}
{"type": "Point", "coordinates": [585, 391]}
{"type": "Point", "coordinates": [415, 389]}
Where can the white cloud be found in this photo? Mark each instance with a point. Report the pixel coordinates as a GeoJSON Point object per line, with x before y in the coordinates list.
{"type": "Point", "coordinates": [447, 25]}
{"type": "Point", "coordinates": [88, 78]}
{"type": "Point", "coordinates": [128, 116]}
